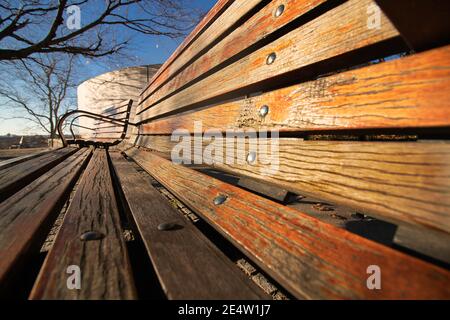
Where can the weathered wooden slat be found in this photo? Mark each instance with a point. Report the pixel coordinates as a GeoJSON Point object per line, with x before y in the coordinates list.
{"type": "Point", "coordinates": [338, 31]}
{"type": "Point", "coordinates": [208, 19]}
{"type": "Point", "coordinates": [16, 160]}
{"type": "Point", "coordinates": [426, 241]}
{"type": "Point", "coordinates": [235, 11]}
{"type": "Point", "coordinates": [188, 265]}
{"type": "Point", "coordinates": [310, 258]}
{"type": "Point", "coordinates": [16, 177]}
{"type": "Point", "coordinates": [26, 217]}
{"type": "Point", "coordinates": [104, 263]}
{"type": "Point", "coordinates": [404, 182]}
{"type": "Point", "coordinates": [409, 92]}
{"type": "Point", "coordinates": [258, 27]}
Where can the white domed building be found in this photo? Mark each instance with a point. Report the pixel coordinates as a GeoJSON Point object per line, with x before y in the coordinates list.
{"type": "Point", "coordinates": [107, 89]}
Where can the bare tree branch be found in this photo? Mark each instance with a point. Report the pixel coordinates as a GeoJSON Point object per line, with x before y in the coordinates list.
{"type": "Point", "coordinates": [152, 17]}
{"type": "Point", "coordinates": [36, 90]}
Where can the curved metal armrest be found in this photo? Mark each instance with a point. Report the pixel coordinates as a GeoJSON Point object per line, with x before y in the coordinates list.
{"type": "Point", "coordinates": [92, 115]}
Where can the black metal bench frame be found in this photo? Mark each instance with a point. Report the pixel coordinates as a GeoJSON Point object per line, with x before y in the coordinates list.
{"type": "Point", "coordinates": [99, 117]}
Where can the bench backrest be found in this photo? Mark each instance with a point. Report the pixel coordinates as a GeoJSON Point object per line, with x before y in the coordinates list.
{"type": "Point", "coordinates": [111, 131]}
{"type": "Point", "coordinates": [340, 84]}
{"type": "Point", "coordinates": [109, 128]}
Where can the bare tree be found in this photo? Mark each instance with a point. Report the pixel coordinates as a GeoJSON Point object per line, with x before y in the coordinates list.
{"type": "Point", "coordinates": [40, 90]}
{"type": "Point", "coordinates": [38, 26]}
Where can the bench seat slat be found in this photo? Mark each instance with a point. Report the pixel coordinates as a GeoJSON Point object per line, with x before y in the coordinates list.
{"type": "Point", "coordinates": [26, 217]}
{"type": "Point", "coordinates": [104, 263]}
{"type": "Point", "coordinates": [188, 265]}
{"type": "Point", "coordinates": [310, 258]}
{"type": "Point", "coordinates": [16, 160]}
{"type": "Point", "coordinates": [14, 178]}
{"type": "Point", "coordinates": [318, 40]}
{"type": "Point", "coordinates": [410, 92]}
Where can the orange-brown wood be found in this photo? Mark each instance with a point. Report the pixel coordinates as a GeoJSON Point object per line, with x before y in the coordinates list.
{"type": "Point", "coordinates": [409, 92]}
{"type": "Point", "coordinates": [104, 264]}
{"type": "Point", "coordinates": [13, 178]}
{"type": "Point", "coordinates": [309, 257]}
{"type": "Point", "coordinates": [26, 217]}
{"type": "Point", "coordinates": [223, 15]}
{"type": "Point", "coordinates": [403, 182]}
{"type": "Point", "coordinates": [260, 26]}
{"type": "Point", "coordinates": [338, 31]}
{"type": "Point", "coordinates": [187, 264]}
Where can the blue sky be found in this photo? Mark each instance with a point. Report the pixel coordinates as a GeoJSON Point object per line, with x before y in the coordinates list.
{"type": "Point", "coordinates": [144, 49]}
{"type": "Point", "coordinates": [147, 49]}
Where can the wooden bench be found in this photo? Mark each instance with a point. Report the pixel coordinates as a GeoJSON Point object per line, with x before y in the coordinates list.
{"type": "Point", "coordinates": [360, 183]}
{"type": "Point", "coordinates": [109, 129]}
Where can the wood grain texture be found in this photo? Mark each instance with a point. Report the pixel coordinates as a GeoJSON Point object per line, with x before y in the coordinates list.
{"type": "Point", "coordinates": [405, 93]}
{"type": "Point", "coordinates": [338, 31]}
{"type": "Point", "coordinates": [258, 27]}
{"type": "Point", "coordinates": [235, 11]}
{"type": "Point", "coordinates": [14, 178]}
{"type": "Point", "coordinates": [21, 156]}
{"type": "Point", "coordinates": [404, 182]}
{"type": "Point", "coordinates": [208, 19]}
{"type": "Point", "coordinates": [310, 258]}
{"type": "Point", "coordinates": [106, 131]}
{"type": "Point", "coordinates": [188, 265]}
{"type": "Point", "coordinates": [104, 264]}
{"type": "Point", "coordinates": [26, 217]}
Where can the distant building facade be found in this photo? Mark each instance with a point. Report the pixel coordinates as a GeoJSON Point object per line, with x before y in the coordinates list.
{"type": "Point", "coordinates": [108, 89]}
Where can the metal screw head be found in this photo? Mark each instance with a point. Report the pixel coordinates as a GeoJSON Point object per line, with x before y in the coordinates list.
{"type": "Point", "coordinates": [91, 235]}
{"type": "Point", "coordinates": [167, 226]}
{"type": "Point", "coordinates": [220, 199]}
{"type": "Point", "coordinates": [264, 110]}
{"type": "Point", "coordinates": [271, 58]}
{"type": "Point", "coordinates": [279, 11]}
{"type": "Point", "coordinates": [251, 157]}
